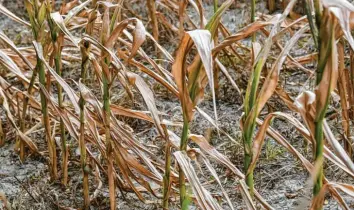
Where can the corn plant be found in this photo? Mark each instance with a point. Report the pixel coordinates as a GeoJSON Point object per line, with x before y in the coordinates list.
{"type": "Point", "coordinates": [37, 12]}
{"type": "Point", "coordinates": [85, 48]}
{"type": "Point", "coordinates": [254, 102]}
{"type": "Point", "coordinates": [85, 53]}
{"type": "Point", "coordinates": [191, 92]}
{"type": "Point", "coordinates": [57, 38]}
{"type": "Point", "coordinates": [189, 98]}
{"type": "Point", "coordinates": [326, 71]}
{"type": "Point", "coordinates": [107, 82]}
{"type": "Point", "coordinates": [247, 137]}
{"type": "Point", "coordinates": [83, 156]}
{"type": "Point", "coordinates": [167, 175]}
{"type": "Point", "coordinates": [253, 16]}
{"type": "Point", "coordinates": [112, 34]}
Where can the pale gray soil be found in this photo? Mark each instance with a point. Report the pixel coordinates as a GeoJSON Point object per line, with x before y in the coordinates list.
{"type": "Point", "coordinates": [280, 178]}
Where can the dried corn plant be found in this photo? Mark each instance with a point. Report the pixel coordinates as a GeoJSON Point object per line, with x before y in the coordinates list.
{"type": "Point", "coordinates": [112, 45]}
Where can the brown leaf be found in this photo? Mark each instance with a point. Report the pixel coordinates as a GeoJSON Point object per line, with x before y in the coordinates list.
{"type": "Point", "coordinates": [246, 195]}
{"type": "Point", "coordinates": [205, 146]}
{"type": "Point", "coordinates": [205, 200]}
{"type": "Point", "coordinates": [10, 117]}
{"type": "Point", "coordinates": [330, 73]}
{"type": "Point", "coordinates": [203, 41]}
{"type": "Point", "coordinates": [10, 65]}
{"type": "Point", "coordinates": [148, 97]}
{"type": "Point", "coordinates": [179, 74]}
{"type": "Point", "coordinates": [57, 18]}
{"type": "Point", "coordinates": [11, 15]}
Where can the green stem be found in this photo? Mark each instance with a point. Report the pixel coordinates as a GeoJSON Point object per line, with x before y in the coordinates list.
{"type": "Point", "coordinates": [46, 122]}
{"type": "Point", "coordinates": [166, 178]}
{"type": "Point", "coordinates": [318, 17]}
{"type": "Point", "coordinates": [247, 138]}
{"type": "Point", "coordinates": [253, 17]}
{"type": "Point", "coordinates": [325, 49]}
{"type": "Point", "coordinates": [109, 147]}
{"type": "Point", "coordinates": [57, 61]}
{"type": "Point", "coordinates": [24, 111]}
{"type": "Point", "coordinates": [314, 30]}
{"type": "Point", "coordinates": [216, 2]}
{"type": "Point", "coordinates": [183, 147]}
{"type": "Point", "coordinates": [319, 155]}
{"type": "Point", "coordinates": [250, 101]}
{"type": "Point", "coordinates": [37, 24]}
{"type": "Point", "coordinates": [318, 14]}
{"type": "Point", "coordinates": [250, 181]}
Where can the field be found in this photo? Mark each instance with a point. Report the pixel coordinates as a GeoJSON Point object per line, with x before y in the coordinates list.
{"type": "Point", "coordinates": [173, 104]}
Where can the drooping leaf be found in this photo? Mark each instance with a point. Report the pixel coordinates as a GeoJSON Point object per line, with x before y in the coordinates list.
{"type": "Point", "coordinates": [12, 121]}
{"type": "Point", "coordinates": [71, 93]}
{"type": "Point", "coordinates": [205, 200]}
{"type": "Point", "coordinates": [74, 11]}
{"type": "Point", "coordinates": [10, 65]}
{"type": "Point", "coordinates": [203, 41]}
{"type": "Point", "coordinates": [148, 96]}
{"type": "Point", "coordinates": [246, 195]}
{"type": "Point", "coordinates": [11, 15]}
{"type": "Point", "coordinates": [15, 49]}
{"type": "Point", "coordinates": [205, 146]}
{"type": "Point", "coordinates": [57, 18]}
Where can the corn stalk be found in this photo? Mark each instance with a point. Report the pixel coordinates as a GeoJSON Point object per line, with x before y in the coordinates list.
{"type": "Point", "coordinates": [107, 82]}
{"type": "Point", "coordinates": [253, 17]}
{"type": "Point", "coordinates": [326, 75]}
{"type": "Point", "coordinates": [107, 115]}
{"type": "Point", "coordinates": [57, 42]}
{"type": "Point", "coordinates": [191, 91]}
{"type": "Point", "coordinates": [314, 29]}
{"type": "Point", "coordinates": [248, 131]}
{"type": "Point", "coordinates": [167, 176]}
{"type": "Point", "coordinates": [84, 166]}
{"type": "Point", "coordinates": [183, 147]}
{"type": "Point", "coordinates": [216, 2]}
{"type": "Point", "coordinates": [249, 120]}
{"type": "Point", "coordinates": [254, 104]}
{"type": "Point", "coordinates": [37, 13]}
{"type": "Point", "coordinates": [85, 50]}
{"type": "Point", "coordinates": [37, 31]}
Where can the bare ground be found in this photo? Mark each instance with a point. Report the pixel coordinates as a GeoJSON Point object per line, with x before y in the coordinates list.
{"type": "Point", "coordinates": [280, 178]}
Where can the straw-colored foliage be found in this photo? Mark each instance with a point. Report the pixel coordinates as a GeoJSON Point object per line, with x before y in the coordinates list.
{"type": "Point", "coordinates": [112, 45]}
